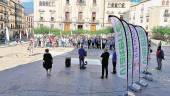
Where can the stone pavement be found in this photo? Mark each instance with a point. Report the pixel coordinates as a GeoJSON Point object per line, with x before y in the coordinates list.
{"type": "Point", "coordinates": [31, 79]}
{"type": "Point", "coordinates": [18, 55]}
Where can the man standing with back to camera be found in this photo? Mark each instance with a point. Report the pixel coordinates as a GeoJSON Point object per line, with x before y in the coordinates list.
{"type": "Point", "coordinates": [105, 61]}
{"type": "Point", "coordinates": [82, 53]}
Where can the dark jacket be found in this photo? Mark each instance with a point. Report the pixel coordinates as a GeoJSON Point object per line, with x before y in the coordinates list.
{"type": "Point", "coordinates": [48, 59]}
{"type": "Point", "coordinates": [105, 58]}
{"type": "Point", "coordinates": [82, 53]}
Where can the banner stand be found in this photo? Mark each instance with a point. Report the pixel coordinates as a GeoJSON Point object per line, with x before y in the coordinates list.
{"type": "Point", "coordinates": [147, 75]}
{"type": "Point", "coordinates": [141, 83]}
{"type": "Point", "coordinates": [128, 93]}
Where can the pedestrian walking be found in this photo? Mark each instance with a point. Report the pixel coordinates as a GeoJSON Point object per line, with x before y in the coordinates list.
{"type": "Point", "coordinates": [114, 61]}
{"type": "Point", "coordinates": [160, 57]}
{"type": "Point", "coordinates": [82, 53]}
{"type": "Point", "coordinates": [48, 61]}
{"type": "Point", "coordinates": [105, 61]}
{"type": "Point", "coordinates": [31, 46]}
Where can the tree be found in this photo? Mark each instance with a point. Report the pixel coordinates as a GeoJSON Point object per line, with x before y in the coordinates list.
{"type": "Point", "coordinates": [161, 32]}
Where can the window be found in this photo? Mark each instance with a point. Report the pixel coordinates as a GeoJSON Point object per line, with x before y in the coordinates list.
{"type": "Point", "coordinates": [163, 2]}
{"type": "Point", "coordinates": [112, 5]}
{"type": "Point", "coordinates": [115, 5]}
{"type": "Point", "coordinates": [2, 25]}
{"type": "Point", "coordinates": [40, 3]}
{"type": "Point", "coordinates": [93, 16]}
{"type": "Point", "coordinates": [166, 13]}
{"type": "Point", "coordinates": [41, 18]}
{"type": "Point", "coordinates": [67, 16]}
{"type": "Point", "coordinates": [80, 15]}
{"type": "Point", "coordinates": [165, 19]}
{"type": "Point", "coordinates": [94, 2]}
{"type": "Point", "coordinates": [80, 1]}
{"type": "Point", "coordinates": [121, 17]}
{"type": "Point", "coordinates": [80, 26]}
{"type": "Point", "coordinates": [52, 18]}
{"type": "Point", "coordinates": [123, 5]}
{"type": "Point", "coordinates": [46, 3]}
{"type": "Point", "coordinates": [43, 3]}
{"type": "Point", "coordinates": [147, 19]}
{"type": "Point", "coordinates": [109, 5]}
{"type": "Point", "coordinates": [141, 21]}
{"type": "Point", "coordinates": [50, 4]}
{"type": "Point", "coordinates": [67, 1]}
{"type": "Point", "coordinates": [167, 2]}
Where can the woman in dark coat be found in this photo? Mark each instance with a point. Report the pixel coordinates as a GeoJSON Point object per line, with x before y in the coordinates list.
{"type": "Point", "coordinates": [48, 61]}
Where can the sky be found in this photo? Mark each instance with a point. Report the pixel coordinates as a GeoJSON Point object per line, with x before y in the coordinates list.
{"type": "Point", "coordinates": [26, 0]}
{"type": "Point", "coordinates": [28, 5]}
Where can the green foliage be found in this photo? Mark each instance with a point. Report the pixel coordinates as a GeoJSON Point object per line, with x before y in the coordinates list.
{"type": "Point", "coordinates": [47, 30]}
{"type": "Point", "coordinates": [41, 30]}
{"type": "Point", "coordinates": [161, 32]}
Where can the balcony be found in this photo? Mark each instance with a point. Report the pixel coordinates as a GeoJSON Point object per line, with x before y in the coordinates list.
{"type": "Point", "coordinates": [141, 16]}
{"type": "Point", "coordinates": [80, 21]}
{"type": "Point", "coordinates": [52, 19]}
{"type": "Point", "coordinates": [94, 22]}
{"type": "Point", "coordinates": [67, 21]}
{"type": "Point", "coordinates": [41, 19]}
{"type": "Point", "coordinates": [147, 14]}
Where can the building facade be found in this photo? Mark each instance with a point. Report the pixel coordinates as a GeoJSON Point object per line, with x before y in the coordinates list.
{"type": "Point", "coordinates": [3, 16]}
{"type": "Point", "coordinates": [29, 24]}
{"type": "Point", "coordinates": [150, 14]}
{"type": "Point", "coordinates": [70, 15]}
{"type": "Point", "coordinates": [11, 14]}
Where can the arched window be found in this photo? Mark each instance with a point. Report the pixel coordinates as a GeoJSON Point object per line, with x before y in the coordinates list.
{"type": "Point", "coordinates": [167, 2]}
{"type": "Point", "coordinates": [40, 3]}
{"type": "Point", "coordinates": [163, 2]}
{"type": "Point", "coordinates": [123, 5]}
{"type": "Point", "coordinates": [43, 4]}
{"type": "Point", "coordinates": [46, 3]}
{"type": "Point", "coordinates": [2, 26]}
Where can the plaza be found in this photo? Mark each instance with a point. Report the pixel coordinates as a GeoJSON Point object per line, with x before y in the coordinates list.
{"type": "Point", "coordinates": [28, 78]}
{"type": "Point", "coordinates": [129, 28]}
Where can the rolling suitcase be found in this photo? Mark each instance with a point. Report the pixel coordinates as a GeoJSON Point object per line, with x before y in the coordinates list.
{"type": "Point", "coordinates": [68, 61]}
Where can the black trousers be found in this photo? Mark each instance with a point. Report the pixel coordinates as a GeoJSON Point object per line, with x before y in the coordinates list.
{"type": "Point", "coordinates": [81, 60]}
{"type": "Point", "coordinates": [114, 67]}
{"type": "Point", "coordinates": [104, 69]}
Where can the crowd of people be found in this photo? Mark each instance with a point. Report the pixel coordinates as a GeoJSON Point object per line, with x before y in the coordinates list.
{"type": "Point", "coordinates": [72, 41]}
